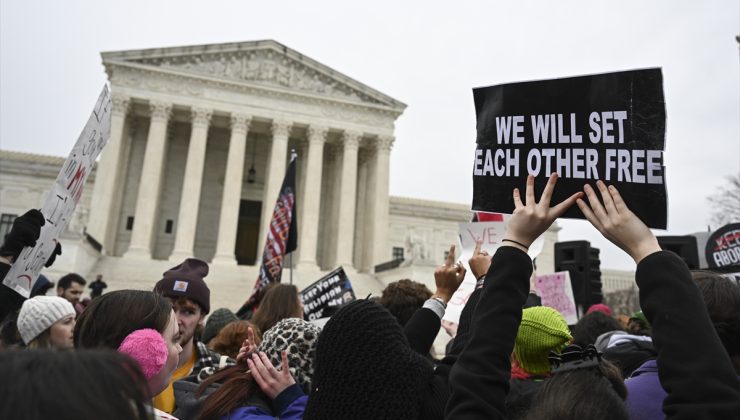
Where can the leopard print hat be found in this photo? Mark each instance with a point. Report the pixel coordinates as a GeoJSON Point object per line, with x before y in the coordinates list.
{"type": "Point", "coordinates": [299, 338]}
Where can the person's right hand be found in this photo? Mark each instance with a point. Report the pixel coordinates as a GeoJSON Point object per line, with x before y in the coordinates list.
{"type": "Point", "coordinates": [617, 223]}
{"type": "Point", "coordinates": [56, 251]}
{"type": "Point", "coordinates": [448, 277]}
{"type": "Point", "coordinates": [248, 346]}
{"type": "Point", "coordinates": [270, 380]}
{"type": "Point", "coordinates": [480, 262]}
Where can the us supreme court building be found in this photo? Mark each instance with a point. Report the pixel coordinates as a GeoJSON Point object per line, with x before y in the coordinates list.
{"type": "Point", "coordinates": [200, 141]}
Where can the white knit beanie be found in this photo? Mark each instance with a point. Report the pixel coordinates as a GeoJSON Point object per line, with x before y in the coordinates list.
{"type": "Point", "coordinates": [39, 313]}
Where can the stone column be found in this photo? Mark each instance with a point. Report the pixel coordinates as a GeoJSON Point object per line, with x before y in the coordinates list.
{"type": "Point", "coordinates": [378, 201]}
{"type": "Point", "coordinates": [309, 226]}
{"type": "Point", "coordinates": [347, 199]}
{"type": "Point", "coordinates": [227, 223]}
{"type": "Point", "coordinates": [275, 175]}
{"type": "Point", "coordinates": [147, 199]}
{"type": "Point", "coordinates": [326, 254]}
{"type": "Point", "coordinates": [362, 230]}
{"type": "Point", "coordinates": [187, 219]}
{"type": "Point", "coordinates": [109, 173]}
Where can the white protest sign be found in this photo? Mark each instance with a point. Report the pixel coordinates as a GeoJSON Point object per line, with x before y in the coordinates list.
{"type": "Point", "coordinates": [491, 234]}
{"type": "Point", "coordinates": [556, 292]}
{"type": "Point", "coordinates": [63, 197]}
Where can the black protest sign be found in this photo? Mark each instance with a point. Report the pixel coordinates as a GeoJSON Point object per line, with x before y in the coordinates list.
{"type": "Point", "coordinates": [723, 247]}
{"type": "Point", "coordinates": [607, 126]}
{"type": "Point", "coordinates": [326, 294]}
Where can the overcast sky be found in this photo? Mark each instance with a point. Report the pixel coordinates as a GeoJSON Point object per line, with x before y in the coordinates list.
{"type": "Point", "coordinates": [426, 54]}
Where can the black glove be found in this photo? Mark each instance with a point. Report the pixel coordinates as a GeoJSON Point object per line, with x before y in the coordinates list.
{"type": "Point", "coordinates": [57, 251]}
{"type": "Point", "coordinates": [25, 231]}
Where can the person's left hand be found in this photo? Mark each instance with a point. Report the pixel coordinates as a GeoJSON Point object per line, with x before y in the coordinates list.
{"type": "Point", "coordinates": [25, 232]}
{"type": "Point", "coordinates": [450, 327]}
{"type": "Point", "coordinates": [480, 262]}
{"type": "Point", "coordinates": [449, 277]}
{"type": "Point", "coordinates": [270, 380]}
{"type": "Point", "coordinates": [532, 219]}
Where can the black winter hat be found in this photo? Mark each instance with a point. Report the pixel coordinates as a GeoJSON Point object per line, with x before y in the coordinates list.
{"type": "Point", "coordinates": [186, 280]}
{"type": "Point", "coordinates": [365, 368]}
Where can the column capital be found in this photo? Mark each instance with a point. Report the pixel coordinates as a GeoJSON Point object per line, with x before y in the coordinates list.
{"type": "Point", "coordinates": [351, 139]}
{"type": "Point", "coordinates": [201, 116]}
{"type": "Point", "coordinates": [240, 123]}
{"type": "Point", "coordinates": [281, 128]}
{"type": "Point", "coordinates": [121, 104]}
{"type": "Point", "coordinates": [160, 110]}
{"type": "Point", "coordinates": [317, 134]}
{"type": "Point", "coordinates": [384, 143]}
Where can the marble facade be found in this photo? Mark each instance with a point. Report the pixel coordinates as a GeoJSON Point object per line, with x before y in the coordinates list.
{"type": "Point", "coordinates": [197, 119]}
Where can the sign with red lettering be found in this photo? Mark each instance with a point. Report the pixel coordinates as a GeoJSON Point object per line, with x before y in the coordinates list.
{"type": "Point", "coordinates": [62, 200]}
{"type": "Point", "coordinates": [607, 126]}
{"type": "Point", "coordinates": [723, 247]}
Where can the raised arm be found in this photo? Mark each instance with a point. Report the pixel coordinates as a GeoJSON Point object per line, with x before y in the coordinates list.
{"type": "Point", "coordinates": [423, 326]}
{"type": "Point", "coordinates": [693, 366]}
{"type": "Point", "coordinates": [479, 264]}
{"type": "Point", "coordinates": [479, 380]}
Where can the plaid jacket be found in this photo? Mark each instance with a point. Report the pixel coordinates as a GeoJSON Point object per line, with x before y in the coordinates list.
{"type": "Point", "coordinates": [209, 361]}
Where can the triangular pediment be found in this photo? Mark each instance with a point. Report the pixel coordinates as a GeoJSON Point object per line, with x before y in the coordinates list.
{"type": "Point", "coordinates": [263, 63]}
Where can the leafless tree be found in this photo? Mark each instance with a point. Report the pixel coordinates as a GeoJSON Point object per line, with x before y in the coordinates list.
{"type": "Point", "coordinates": [725, 203]}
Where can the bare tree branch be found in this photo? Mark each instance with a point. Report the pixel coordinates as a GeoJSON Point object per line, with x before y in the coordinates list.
{"type": "Point", "coordinates": [725, 203]}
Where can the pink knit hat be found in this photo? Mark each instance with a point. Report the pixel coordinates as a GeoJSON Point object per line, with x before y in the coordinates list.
{"type": "Point", "coordinates": [148, 348]}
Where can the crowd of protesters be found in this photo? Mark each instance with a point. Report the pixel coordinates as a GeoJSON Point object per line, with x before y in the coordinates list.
{"type": "Point", "coordinates": [162, 353]}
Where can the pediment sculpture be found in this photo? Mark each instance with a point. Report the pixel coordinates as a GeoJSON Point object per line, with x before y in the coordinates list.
{"type": "Point", "coordinates": [265, 67]}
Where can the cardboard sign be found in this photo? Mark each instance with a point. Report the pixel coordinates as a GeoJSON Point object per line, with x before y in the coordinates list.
{"type": "Point", "coordinates": [608, 126]}
{"type": "Point", "coordinates": [326, 294]}
{"type": "Point", "coordinates": [62, 200]}
{"type": "Point", "coordinates": [723, 247]}
{"type": "Point", "coordinates": [491, 234]}
{"type": "Point", "coordinates": [556, 292]}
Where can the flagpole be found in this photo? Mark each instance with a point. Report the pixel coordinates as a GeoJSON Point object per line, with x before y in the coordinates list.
{"type": "Point", "coordinates": [290, 257]}
{"type": "Point", "coordinates": [293, 155]}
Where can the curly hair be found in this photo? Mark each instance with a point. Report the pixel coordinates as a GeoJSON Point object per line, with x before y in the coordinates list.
{"type": "Point", "coordinates": [591, 326]}
{"type": "Point", "coordinates": [403, 297]}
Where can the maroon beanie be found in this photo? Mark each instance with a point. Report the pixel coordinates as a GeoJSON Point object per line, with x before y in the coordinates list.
{"type": "Point", "coordinates": [186, 280]}
{"type": "Point", "coordinates": [599, 307]}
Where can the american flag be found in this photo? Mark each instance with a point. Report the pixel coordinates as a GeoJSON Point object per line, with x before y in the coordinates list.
{"type": "Point", "coordinates": [282, 238]}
